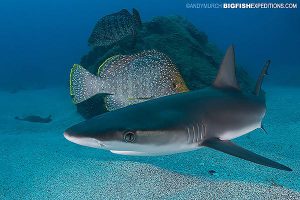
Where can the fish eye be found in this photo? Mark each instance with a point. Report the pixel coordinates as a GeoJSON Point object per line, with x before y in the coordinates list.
{"type": "Point", "coordinates": [129, 136]}
{"type": "Point", "coordinates": [174, 85]}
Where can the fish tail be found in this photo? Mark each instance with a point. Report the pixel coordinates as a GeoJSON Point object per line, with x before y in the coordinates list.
{"type": "Point", "coordinates": [84, 85]}
{"type": "Point", "coordinates": [136, 17]}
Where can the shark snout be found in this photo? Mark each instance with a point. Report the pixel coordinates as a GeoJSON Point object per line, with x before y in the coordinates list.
{"type": "Point", "coordinates": [84, 141]}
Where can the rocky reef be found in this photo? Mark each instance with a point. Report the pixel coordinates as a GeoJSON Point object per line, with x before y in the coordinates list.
{"type": "Point", "coordinates": [196, 58]}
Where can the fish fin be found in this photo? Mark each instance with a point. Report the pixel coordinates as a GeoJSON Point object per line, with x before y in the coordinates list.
{"type": "Point", "coordinates": [105, 63]}
{"type": "Point", "coordinates": [260, 79]}
{"type": "Point", "coordinates": [263, 128]}
{"type": "Point", "coordinates": [138, 24]}
{"type": "Point", "coordinates": [230, 148]}
{"type": "Point", "coordinates": [131, 99]}
{"type": "Point", "coordinates": [84, 85]}
{"type": "Point", "coordinates": [123, 11]}
{"type": "Point", "coordinates": [136, 17]}
{"type": "Point", "coordinates": [226, 77]}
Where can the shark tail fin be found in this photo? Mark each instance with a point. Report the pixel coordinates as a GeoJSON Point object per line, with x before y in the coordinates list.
{"type": "Point", "coordinates": [84, 85]}
{"type": "Point", "coordinates": [230, 148]}
{"type": "Point", "coordinates": [260, 79]}
{"type": "Point", "coordinates": [226, 77]}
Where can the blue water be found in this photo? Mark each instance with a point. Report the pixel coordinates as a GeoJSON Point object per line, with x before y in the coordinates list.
{"type": "Point", "coordinates": [41, 40]}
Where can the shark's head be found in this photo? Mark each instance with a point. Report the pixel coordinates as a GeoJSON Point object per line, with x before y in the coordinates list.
{"type": "Point", "coordinates": [100, 132]}
{"type": "Point", "coordinates": [129, 135]}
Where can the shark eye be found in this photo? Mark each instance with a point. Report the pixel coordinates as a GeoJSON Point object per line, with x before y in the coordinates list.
{"type": "Point", "coordinates": [129, 136]}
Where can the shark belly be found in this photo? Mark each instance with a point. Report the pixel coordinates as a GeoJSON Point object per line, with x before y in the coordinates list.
{"type": "Point", "coordinates": [229, 135]}
{"type": "Point", "coordinates": [232, 117]}
{"type": "Point", "coordinates": [229, 127]}
{"type": "Point", "coordinates": [158, 150]}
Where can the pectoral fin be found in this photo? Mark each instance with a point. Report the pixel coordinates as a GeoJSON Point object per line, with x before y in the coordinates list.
{"type": "Point", "coordinates": [230, 148]}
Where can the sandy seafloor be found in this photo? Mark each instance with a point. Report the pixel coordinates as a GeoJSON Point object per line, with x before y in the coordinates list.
{"type": "Point", "coordinates": [36, 161]}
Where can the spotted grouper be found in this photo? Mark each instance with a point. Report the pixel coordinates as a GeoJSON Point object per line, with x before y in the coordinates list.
{"type": "Point", "coordinates": [128, 79]}
{"type": "Point", "coordinates": [114, 27]}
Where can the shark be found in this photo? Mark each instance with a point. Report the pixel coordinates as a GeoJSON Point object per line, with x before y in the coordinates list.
{"type": "Point", "coordinates": [183, 122]}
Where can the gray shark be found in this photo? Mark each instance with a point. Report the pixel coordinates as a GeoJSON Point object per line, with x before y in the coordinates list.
{"type": "Point", "coordinates": [182, 122]}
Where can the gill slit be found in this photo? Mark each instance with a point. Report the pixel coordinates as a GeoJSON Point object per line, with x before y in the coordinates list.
{"type": "Point", "coordinates": [203, 132]}
{"type": "Point", "coordinates": [189, 136]}
{"type": "Point", "coordinates": [198, 133]}
{"type": "Point", "coordinates": [194, 134]}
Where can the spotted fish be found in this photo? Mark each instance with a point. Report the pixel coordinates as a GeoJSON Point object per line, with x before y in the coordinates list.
{"type": "Point", "coordinates": [128, 79]}
{"type": "Point", "coordinates": [114, 27]}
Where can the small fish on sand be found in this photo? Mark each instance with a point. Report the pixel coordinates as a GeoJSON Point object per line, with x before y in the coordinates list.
{"type": "Point", "coordinates": [35, 118]}
{"type": "Point", "coordinates": [114, 27]}
{"type": "Point", "coordinates": [128, 79]}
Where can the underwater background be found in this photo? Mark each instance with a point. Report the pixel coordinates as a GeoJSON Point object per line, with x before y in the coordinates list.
{"type": "Point", "coordinates": [41, 40]}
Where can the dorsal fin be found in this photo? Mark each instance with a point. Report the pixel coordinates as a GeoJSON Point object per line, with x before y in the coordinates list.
{"type": "Point", "coordinates": [226, 76]}
{"type": "Point", "coordinates": [123, 11]}
{"type": "Point", "coordinates": [105, 63]}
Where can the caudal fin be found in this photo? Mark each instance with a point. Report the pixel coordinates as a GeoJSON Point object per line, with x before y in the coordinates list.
{"type": "Point", "coordinates": [84, 85]}
{"type": "Point", "coordinates": [136, 17]}
{"type": "Point", "coordinates": [260, 79]}
{"type": "Point", "coordinates": [230, 148]}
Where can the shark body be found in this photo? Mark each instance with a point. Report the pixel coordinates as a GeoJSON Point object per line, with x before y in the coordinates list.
{"type": "Point", "coordinates": [182, 122]}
